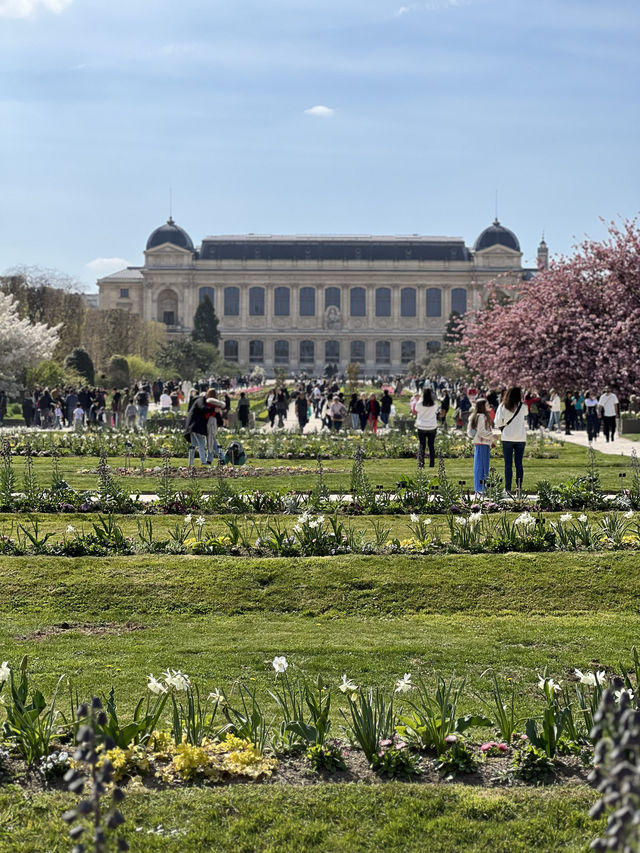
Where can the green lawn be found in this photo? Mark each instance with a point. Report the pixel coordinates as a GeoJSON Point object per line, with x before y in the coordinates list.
{"type": "Point", "coordinates": [571, 462]}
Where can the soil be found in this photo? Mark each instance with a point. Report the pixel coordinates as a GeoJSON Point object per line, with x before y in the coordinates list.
{"type": "Point", "coordinates": [86, 628]}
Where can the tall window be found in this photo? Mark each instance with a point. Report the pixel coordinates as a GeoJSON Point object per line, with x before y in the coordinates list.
{"type": "Point", "coordinates": [459, 300]}
{"type": "Point", "coordinates": [332, 352]}
{"type": "Point", "coordinates": [434, 302]}
{"type": "Point", "coordinates": [383, 302]}
{"type": "Point", "coordinates": [307, 301]}
{"type": "Point", "coordinates": [281, 302]}
{"type": "Point", "coordinates": [357, 351]}
{"type": "Point", "coordinates": [407, 352]}
{"type": "Point", "coordinates": [231, 301]}
{"type": "Point", "coordinates": [408, 302]}
{"type": "Point", "coordinates": [307, 352]}
{"type": "Point", "coordinates": [168, 308]}
{"type": "Point", "coordinates": [433, 346]}
{"type": "Point", "coordinates": [383, 352]}
{"type": "Point", "coordinates": [358, 302]}
{"type": "Point", "coordinates": [256, 352]}
{"type": "Point", "coordinates": [331, 297]}
{"type": "Point", "coordinates": [204, 292]}
{"type": "Point", "coordinates": [256, 301]}
{"type": "Point", "coordinates": [281, 352]}
{"type": "Point", "coordinates": [231, 350]}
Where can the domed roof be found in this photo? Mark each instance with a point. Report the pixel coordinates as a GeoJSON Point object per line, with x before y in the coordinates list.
{"type": "Point", "coordinates": [170, 233]}
{"type": "Point", "coordinates": [497, 235]}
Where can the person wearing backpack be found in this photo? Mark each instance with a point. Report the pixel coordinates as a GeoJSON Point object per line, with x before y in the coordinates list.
{"type": "Point", "coordinates": [479, 429]}
{"type": "Point", "coordinates": [142, 401]}
{"type": "Point", "coordinates": [511, 421]}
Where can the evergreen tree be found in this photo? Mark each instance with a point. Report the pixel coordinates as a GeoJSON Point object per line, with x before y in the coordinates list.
{"type": "Point", "coordinates": [118, 371]}
{"type": "Point", "coordinates": [205, 323]}
{"type": "Point", "coordinates": [79, 361]}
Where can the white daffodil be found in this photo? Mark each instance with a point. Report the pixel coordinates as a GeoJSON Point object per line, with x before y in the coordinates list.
{"type": "Point", "coordinates": [628, 514]}
{"type": "Point", "coordinates": [543, 683]}
{"type": "Point", "coordinates": [216, 695]}
{"type": "Point", "coordinates": [187, 519]}
{"type": "Point", "coordinates": [346, 685]}
{"type": "Point", "coordinates": [582, 517]}
{"type": "Point", "coordinates": [279, 663]}
{"type": "Point", "coordinates": [177, 679]}
{"type": "Point", "coordinates": [404, 684]}
{"type": "Point", "coordinates": [566, 516]}
{"type": "Point", "coordinates": [619, 693]}
{"type": "Point", "coordinates": [525, 519]}
{"type": "Point", "coordinates": [475, 517]}
{"type": "Point", "coordinates": [200, 520]}
{"type": "Point", "coordinates": [70, 528]}
{"type": "Point", "coordinates": [154, 685]}
{"type": "Point", "coordinates": [414, 518]}
{"type": "Point", "coordinates": [5, 672]}
{"type": "Point", "coordinates": [461, 520]}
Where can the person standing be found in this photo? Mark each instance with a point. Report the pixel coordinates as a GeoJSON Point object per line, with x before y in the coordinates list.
{"type": "Point", "coordinates": [425, 409]}
{"type": "Point", "coordinates": [142, 401]}
{"type": "Point", "coordinates": [511, 421]}
{"type": "Point", "coordinates": [28, 410]}
{"type": "Point", "coordinates": [353, 411]}
{"type": "Point", "coordinates": [373, 412]}
{"type": "Point", "coordinates": [202, 427]}
{"type": "Point", "coordinates": [243, 409]}
{"type": "Point", "coordinates": [338, 412]}
{"type": "Point", "coordinates": [282, 404]}
{"type": "Point", "coordinates": [609, 411]}
{"type": "Point", "coordinates": [479, 430]}
{"type": "Point", "coordinates": [568, 413]}
{"type": "Point", "coordinates": [302, 410]}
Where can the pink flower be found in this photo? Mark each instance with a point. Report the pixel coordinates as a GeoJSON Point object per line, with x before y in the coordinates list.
{"type": "Point", "coordinates": [487, 746]}
{"type": "Point", "coordinates": [451, 739]}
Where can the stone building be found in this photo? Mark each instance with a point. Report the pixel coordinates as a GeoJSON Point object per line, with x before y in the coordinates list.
{"type": "Point", "coordinates": [302, 302]}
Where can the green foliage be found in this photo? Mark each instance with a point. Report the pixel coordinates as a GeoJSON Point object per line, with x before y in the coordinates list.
{"type": "Point", "coordinates": [205, 323]}
{"type": "Point", "coordinates": [51, 374]}
{"type": "Point", "coordinates": [118, 372]}
{"type": "Point", "coordinates": [29, 724]}
{"type": "Point", "coordinates": [395, 764]}
{"type": "Point", "coordinates": [140, 368]}
{"type": "Point", "coordinates": [532, 764]}
{"type": "Point", "coordinates": [371, 719]}
{"type": "Point", "coordinates": [186, 358]}
{"type": "Point", "coordinates": [80, 362]}
{"type": "Point", "coordinates": [327, 756]}
{"type": "Point", "coordinates": [457, 758]}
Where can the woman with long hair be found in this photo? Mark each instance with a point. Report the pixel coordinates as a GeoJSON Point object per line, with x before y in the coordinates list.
{"type": "Point", "coordinates": [479, 429]}
{"type": "Point", "coordinates": [511, 420]}
{"type": "Point", "coordinates": [425, 409]}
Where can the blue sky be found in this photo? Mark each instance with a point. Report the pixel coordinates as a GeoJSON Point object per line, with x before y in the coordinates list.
{"type": "Point", "coordinates": [430, 108]}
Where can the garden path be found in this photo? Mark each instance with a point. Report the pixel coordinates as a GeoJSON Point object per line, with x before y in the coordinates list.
{"type": "Point", "coordinates": [618, 447]}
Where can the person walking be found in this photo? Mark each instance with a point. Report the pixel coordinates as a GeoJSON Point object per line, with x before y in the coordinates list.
{"type": "Point", "coordinates": [609, 410]}
{"type": "Point", "coordinates": [555, 405]}
{"type": "Point", "coordinates": [373, 412]}
{"type": "Point", "coordinates": [353, 411]}
{"type": "Point", "coordinates": [385, 407]}
{"type": "Point", "coordinates": [568, 413]}
{"type": "Point", "coordinates": [591, 411]}
{"type": "Point", "coordinates": [338, 413]}
{"type": "Point", "coordinates": [243, 409]}
{"type": "Point", "coordinates": [479, 429]}
{"type": "Point", "coordinates": [425, 409]}
{"type": "Point", "coordinates": [142, 401]}
{"type": "Point", "coordinates": [302, 410]}
{"type": "Point", "coordinates": [511, 421]}
{"type": "Point", "coordinates": [282, 404]}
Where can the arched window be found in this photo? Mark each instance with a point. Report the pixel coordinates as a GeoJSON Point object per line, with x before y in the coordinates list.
{"type": "Point", "coordinates": [383, 302]}
{"type": "Point", "coordinates": [331, 297]}
{"type": "Point", "coordinates": [168, 308]}
{"type": "Point", "coordinates": [307, 301]}
{"type": "Point", "coordinates": [383, 352]}
{"type": "Point", "coordinates": [459, 300]}
{"type": "Point", "coordinates": [256, 301]}
{"type": "Point", "coordinates": [256, 352]}
{"type": "Point", "coordinates": [357, 352]}
{"type": "Point", "coordinates": [205, 292]}
{"type": "Point", "coordinates": [332, 352]}
{"type": "Point", "coordinates": [433, 346]}
{"type": "Point", "coordinates": [281, 302]}
{"type": "Point", "coordinates": [358, 302]}
{"type": "Point", "coordinates": [281, 352]}
{"type": "Point", "coordinates": [407, 352]}
{"type": "Point", "coordinates": [307, 352]}
{"type": "Point", "coordinates": [231, 350]}
{"type": "Point", "coordinates": [408, 302]}
{"type": "Point", "coordinates": [434, 302]}
{"type": "Point", "coordinates": [231, 301]}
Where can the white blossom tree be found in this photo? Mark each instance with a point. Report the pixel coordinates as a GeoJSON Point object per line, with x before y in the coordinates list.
{"type": "Point", "coordinates": [22, 344]}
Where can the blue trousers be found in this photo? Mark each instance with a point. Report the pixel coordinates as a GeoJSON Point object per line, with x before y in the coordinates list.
{"type": "Point", "coordinates": [481, 467]}
{"type": "Point", "coordinates": [513, 451]}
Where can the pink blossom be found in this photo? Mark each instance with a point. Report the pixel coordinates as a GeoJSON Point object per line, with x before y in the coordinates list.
{"type": "Point", "coordinates": [451, 739]}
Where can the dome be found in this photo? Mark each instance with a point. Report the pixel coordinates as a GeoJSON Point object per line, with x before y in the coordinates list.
{"type": "Point", "coordinates": [170, 233]}
{"type": "Point", "coordinates": [497, 235]}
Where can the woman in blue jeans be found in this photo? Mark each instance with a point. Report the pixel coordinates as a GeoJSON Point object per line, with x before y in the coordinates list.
{"type": "Point", "coordinates": [479, 429]}
{"type": "Point", "coordinates": [511, 421]}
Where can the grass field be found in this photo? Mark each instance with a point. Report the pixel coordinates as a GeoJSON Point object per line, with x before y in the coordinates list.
{"type": "Point", "coordinates": [112, 620]}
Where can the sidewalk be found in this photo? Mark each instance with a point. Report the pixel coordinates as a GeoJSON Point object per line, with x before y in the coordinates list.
{"type": "Point", "coordinates": [618, 447]}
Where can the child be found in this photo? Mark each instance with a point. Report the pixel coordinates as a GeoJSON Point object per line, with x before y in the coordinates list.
{"type": "Point", "coordinates": [78, 417]}
{"type": "Point", "coordinates": [130, 414]}
{"type": "Point", "coordinates": [480, 431]}
{"type": "Point", "coordinates": [58, 416]}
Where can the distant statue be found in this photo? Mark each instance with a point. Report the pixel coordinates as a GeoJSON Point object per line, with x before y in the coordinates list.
{"type": "Point", "coordinates": [332, 318]}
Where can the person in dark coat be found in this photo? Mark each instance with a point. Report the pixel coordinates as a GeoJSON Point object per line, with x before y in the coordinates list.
{"type": "Point", "coordinates": [197, 428]}
{"type": "Point", "coordinates": [28, 410]}
{"type": "Point", "coordinates": [385, 407]}
{"type": "Point", "coordinates": [244, 407]}
{"type": "Point", "coordinates": [302, 410]}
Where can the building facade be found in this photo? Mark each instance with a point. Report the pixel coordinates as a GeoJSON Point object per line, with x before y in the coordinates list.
{"type": "Point", "coordinates": [302, 302]}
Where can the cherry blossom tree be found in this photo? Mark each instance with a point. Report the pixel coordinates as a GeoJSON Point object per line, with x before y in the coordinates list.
{"type": "Point", "coordinates": [572, 326]}
{"type": "Point", "coordinates": [22, 344]}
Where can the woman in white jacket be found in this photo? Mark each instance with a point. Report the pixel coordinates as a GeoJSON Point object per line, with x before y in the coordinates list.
{"type": "Point", "coordinates": [511, 420]}
{"type": "Point", "coordinates": [479, 429]}
{"type": "Point", "coordinates": [425, 409]}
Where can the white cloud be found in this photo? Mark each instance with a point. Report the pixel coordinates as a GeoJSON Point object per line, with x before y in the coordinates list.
{"type": "Point", "coordinates": [319, 110]}
{"type": "Point", "coordinates": [26, 8]}
{"type": "Point", "coordinates": [432, 6]}
{"type": "Point", "coordinates": [104, 266]}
